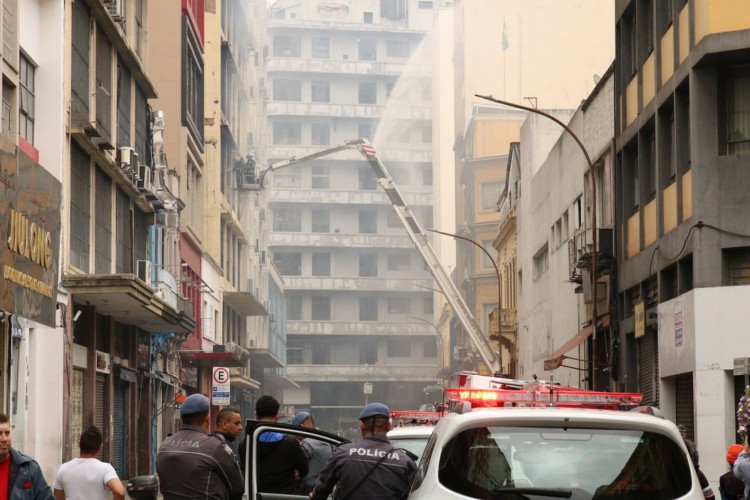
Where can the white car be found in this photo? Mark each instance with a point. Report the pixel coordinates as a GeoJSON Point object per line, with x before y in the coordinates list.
{"type": "Point", "coordinates": [412, 438]}
{"type": "Point", "coordinates": [541, 453]}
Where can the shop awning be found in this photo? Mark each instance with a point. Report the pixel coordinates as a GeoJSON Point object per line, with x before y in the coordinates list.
{"type": "Point", "coordinates": [559, 355]}
{"type": "Point", "coordinates": [264, 358]}
{"type": "Point", "coordinates": [211, 359]}
{"type": "Point", "coordinates": [128, 300]}
{"type": "Point", "coordinates": [245, 303]}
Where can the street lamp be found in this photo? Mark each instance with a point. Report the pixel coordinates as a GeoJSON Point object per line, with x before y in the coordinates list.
{"type": "Point", "coordinates": [594, 315]}
{"type": "Point", "coordinates": [439, 337]}
{"type": "Point", "coordinates": [499, 290]}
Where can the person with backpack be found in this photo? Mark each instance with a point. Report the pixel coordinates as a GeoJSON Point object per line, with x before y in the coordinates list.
{"type": "Point", "coordinates": [370, 468]}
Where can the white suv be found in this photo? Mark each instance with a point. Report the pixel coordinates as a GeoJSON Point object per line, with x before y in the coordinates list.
{"type": "Point", "coordinates": [538, 453]}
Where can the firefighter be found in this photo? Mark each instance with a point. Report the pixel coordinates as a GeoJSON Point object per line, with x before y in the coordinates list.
{"type": "Point", "coordinates": [370, 468]}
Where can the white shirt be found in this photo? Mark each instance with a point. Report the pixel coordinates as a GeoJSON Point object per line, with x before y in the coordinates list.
{"type": "Point", "coordinates": [85, 479]}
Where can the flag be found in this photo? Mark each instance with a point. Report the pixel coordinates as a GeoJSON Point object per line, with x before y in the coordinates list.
{"type": "Point", "coordinates": [505, 37]}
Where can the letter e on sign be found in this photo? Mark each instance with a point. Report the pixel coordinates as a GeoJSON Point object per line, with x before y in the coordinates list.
{"type": "Point", "coordinates": [220, 386]}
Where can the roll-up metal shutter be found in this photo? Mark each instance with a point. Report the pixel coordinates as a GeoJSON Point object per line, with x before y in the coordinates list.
{"type": "Point", "coordinates": [120, 432]}
{"type": "Point", "coordinates": [76, 413]}
{"type": "Point", "coordinates": [684, 403]}
{"type": "Point", "coordinates": [101, 382]}
{"type": "Point", "coordinates": [648, 368]}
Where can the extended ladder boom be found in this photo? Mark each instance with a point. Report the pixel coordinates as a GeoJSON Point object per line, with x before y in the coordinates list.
{"type": "Point", "coordinates": [418, 237]}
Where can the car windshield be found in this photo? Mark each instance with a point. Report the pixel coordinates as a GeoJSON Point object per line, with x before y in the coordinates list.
{"type": "Point", "coordinates": [415, 445]}
{"type": "Point", "coordinates": [487, 462]}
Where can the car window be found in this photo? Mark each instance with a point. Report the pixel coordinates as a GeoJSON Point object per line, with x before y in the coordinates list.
{"type": "Point", "coordinates": [593, 463]}
{"type": "Point", "coordinates": [424, 463]}
{"type": "Point", "coordinates": [415, 445]}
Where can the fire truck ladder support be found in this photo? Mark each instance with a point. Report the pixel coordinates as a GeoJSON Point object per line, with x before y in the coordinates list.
{"type": "Point", "coordinates": [417, 236]}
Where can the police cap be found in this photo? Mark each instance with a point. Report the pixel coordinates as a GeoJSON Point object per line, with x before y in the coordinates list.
{"type": "Point", "coordinates": [195, 403]}
{"type": "Point", "coordinates": [375, 410]}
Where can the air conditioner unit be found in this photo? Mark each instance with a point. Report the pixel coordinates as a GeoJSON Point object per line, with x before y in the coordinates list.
{"type": "Point", "coordinates": [143, 270]}
{"type": "Point", "coordinates": [144, 178]}
{"type": "Point", "coordinates": [125, 157]}
{"type": "Point", "coordinates": [114, 7]}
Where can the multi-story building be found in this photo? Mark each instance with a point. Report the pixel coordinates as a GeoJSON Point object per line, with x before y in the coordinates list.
{"type": "Point", "coordinates": [357, 292]}
{"type": "Point", "coordinates": [119, 261]}
{"type": "Point", "coordinates": [682, 133]}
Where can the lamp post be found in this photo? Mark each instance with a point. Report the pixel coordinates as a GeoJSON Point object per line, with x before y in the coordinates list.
{"type": "Point", "coordinates": [594, 315]}
{"type": "Point", "coordinates": [438, 337]}
{"type": "Point", "coordinates": [499, 290]}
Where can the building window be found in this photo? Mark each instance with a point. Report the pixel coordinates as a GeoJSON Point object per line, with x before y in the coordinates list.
{"type": "Point", "coordinates": [10, 38]}
{"type": "Point", "coordinates": [490, 194]}
{"type": "Point", "coordinates": [367, 18]}
{"type": "Point", "coordinates": [288, 263]}
{"type": "Point", "coordinates": [397, 48]}
{"type": "Point", "coordinates": [321, 264]}
{"type": "Point", "coordinates": [79, 70]}
{"type": "Point", "coordinates": [399, 305]}
{"type": "Point", "coordinates": [192, 82]}
{"type": "Point", "coordinates": [289, 177]}
{"type": "Point", "coordinates": [486, 262]}
{"type": "Point", "coordinates": [320, 177]}
{"type": "Point", "coordinates": [399, 348]}
{"type": "Point", "coordinates": [737, 85]}
{"type": "Point", "coordinates": [7, 119]}
{"type": "Point", "coordinates": [427, 177]}
{"type": "Point", "coordinates": [287, 46]}
{"type": "Point", "coordinates": [649, 177]}
{"type": "Point", "coordinates": [367, 49]}
{"type": "Point", "coordinates": [429, 348]}
{"type": "Point", "coordinates": [541, 262]}
{"type": "Point", "coordinates": [368, 265]}
{"type": "Point", "coordinates": [389, 89]}
{"type": "Point", "coordinates": [368, 309]}
{"type": "Point", "coordinates": [123, 105]}
{"type": "Point", "coordinates": [103, 86]}
{"type": "Point", "coordinates": [630, 180]}
{"type": "Point", "coordinates": [123, 233]}
{"type": "Point", "coordinates": [287, 220]}
{"type": "Point", "coordinates": [399, 262]}
{"type": "Point", "coordinates": [368, 222]}
{"type": "Point", "coordinates": [321, 134]}
{"type": "Point", "coordinates": [139, 27]}
{"type": "Point", "coordinates": [287, 133]}
{"type": "Point", "coordinates": [368, 93]}
{"type": "Point", "coordinates": [393, 221]}
{"type": "Point", "coordinates": [142, 118]}
{"type": "Point", "coordinates": [294, 307]}
{"type": "Point", "coordinates": [427, 134]}
{"type": "Point", "coordinates": [368, 352]}
{"type": "Point", "coordinates": [80, 210]}
{"type": "Point", "coordinates": [295, 353]}
{"type": "Point", "coordinates": [321, 308]}
{"type": "Point", "coordinates": [321, 353]}
{"type": "Point", "coordinates": [103, 224]}
{"type": "Point", "coordinates": [401, 175]}
{"type": "Point", "coordinates": [320, 91]}
{"type": "Point", "coordinates": [321, 47]}
{"type": "Point", "coordinates": [26, 113]}
{"type": "Point", "coordinates": [367, 179]}
{"type": "Point", "coordinates": [393, 9]}
{"type": "Point", "coordinates": [428, 305]}
{"type": "Point", "coordinates": [287, 89]}
{"type": "Point", "coordinates": [321, 220]}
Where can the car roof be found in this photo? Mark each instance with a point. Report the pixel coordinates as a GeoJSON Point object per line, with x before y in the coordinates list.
{"type": "Point", "coordinates": [411, 431]}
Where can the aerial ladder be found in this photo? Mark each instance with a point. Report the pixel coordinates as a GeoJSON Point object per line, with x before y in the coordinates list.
{"type": "Point", "coordinates": [416, 234]}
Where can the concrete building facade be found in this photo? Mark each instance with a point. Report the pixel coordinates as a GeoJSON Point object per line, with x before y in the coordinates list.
{"type": "Point", "coordinates": [358, 294]}
{"type": "Point", "coordinates": [681, 127]}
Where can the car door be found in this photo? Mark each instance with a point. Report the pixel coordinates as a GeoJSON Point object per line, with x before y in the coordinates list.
{"type": "Point", "coordinates": [253, 429]}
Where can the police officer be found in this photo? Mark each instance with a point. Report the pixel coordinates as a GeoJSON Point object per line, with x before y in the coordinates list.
{"type": "Point", "coordinates": [191, 464]}
{"type": "Point", "coordinates": [370, 468]}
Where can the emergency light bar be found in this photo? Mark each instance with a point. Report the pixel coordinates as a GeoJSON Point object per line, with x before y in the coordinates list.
{"type": "Point", "coordinates": [565, 398]}
{"type": "Point", "coordinates": [432, 416]}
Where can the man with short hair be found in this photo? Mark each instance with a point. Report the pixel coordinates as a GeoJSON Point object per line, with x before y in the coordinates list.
{"type": "Point", "coordinates": [193, 465]}
{"type": "Point", "coordinates": [86, 477]}
{"type": "Point", "coordinates": [370, 468]}
{"type": "Point", "coordinates": [281, 461]}
{"type": "Point", "coordinates": [20, 475]}
{"type": "Point", "coordinates": [228, 428]}
{"type": "Point", "coordinates": [317, 452]}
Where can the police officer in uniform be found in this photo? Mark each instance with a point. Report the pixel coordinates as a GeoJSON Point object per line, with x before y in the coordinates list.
{"type": "Point", "coordinates": [193, 465]}
{"type": "Point", "coordinates": [370, 468]}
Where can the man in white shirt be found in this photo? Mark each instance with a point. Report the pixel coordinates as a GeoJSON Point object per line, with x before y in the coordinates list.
{"type": "Point", "coordinates": [88, 478]}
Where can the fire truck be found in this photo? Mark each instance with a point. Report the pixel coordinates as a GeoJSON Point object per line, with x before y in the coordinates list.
{"type": "Point", "coordinates": [413, 229]}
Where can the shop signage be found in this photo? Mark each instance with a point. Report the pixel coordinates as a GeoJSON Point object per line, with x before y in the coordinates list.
{"type": "Point", "coordinates": [29, 236]}
{"type": "Point", "coordinates": [640, 319]}
{"type": "Point", "coordinates": [220, 387]}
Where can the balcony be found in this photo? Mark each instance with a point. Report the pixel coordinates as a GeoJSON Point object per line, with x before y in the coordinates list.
{"type": "Point", "coordinates": [508, 321]}
{"type": "Point", "coordinates": [359, 373]}
{"type": "Point", "coordinates": [240, 377]}
{"type": "Point", "coordinates": [359, 284]}
{"type": "Point", "coordinates": [287, 108]}
{"type": "Point", "coordinates": [277, 239]}
{"type": "Point", "coordinates": [358, 328]}
{"type": "Point", "coordinates": [334, 67]}
{"type": "Point", "coordinates": [405, 153]}
{"type": "Point", "coordinates": [344, 197]}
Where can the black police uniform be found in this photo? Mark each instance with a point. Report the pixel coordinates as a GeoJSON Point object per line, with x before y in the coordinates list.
{"type": "Point", "coordinates": [193, 465]}
{"type": "Point", "coordinates": [369, 469]}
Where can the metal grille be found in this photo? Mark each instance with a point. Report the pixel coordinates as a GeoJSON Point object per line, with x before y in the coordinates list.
{"type": "Point", "coordinates": [76, 413]}
{"type": "Point", "coordinates": [684, 403]}
{"type": "Point", "coordinates": [140, 238]}
{"type": "Point", "coordinates": [103, 224]}
{"type": "Point", "coordinates": [294, 307]}
{"type": "Point", "coordinates": [123, 105]}
{"type": "Point", "coordinates": [321, 308]}
{"type": "Point", "coordinates": [99, 412]}
{"type": "Point", "coordinates": [120, 427]}
{"type": "Point", "coordinates": [141, 127]}
{"type": "Point", "coordinates": [80, 59]}
{"type": "Point", "coordinates": [124, 234]}
{"type": "Point", "coordinates": [80, 211]}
